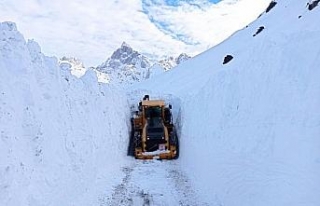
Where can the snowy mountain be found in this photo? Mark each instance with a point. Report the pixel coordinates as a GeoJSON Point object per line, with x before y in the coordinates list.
{"type": "Point", "coordinates": [127, 66]}
{"type": "Point", "coordinates": [74, 65]}
{"type": "Point", "coordinates": [77, 68]}
{"type": "Point", "coordinates": [247, 114]}
{"type": "Point", "coordinates": [170, 62]}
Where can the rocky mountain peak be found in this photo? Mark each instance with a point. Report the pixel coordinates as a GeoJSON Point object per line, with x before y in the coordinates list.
{"type": "Point", "coordinates": [123, 52]}
{"type": "Point", "coordinates": [125, 55]}
{"type": "Point", "coordinates": [128, 66]}
{"type": "Point", "coordinates": [170, 62]}
{"type": "Point", "coordinates": [125, 66]}
{"type": "Point", "coordinates": [125, 46]}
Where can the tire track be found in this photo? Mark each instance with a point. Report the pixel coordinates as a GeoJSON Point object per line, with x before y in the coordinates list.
{"type": "Point", "coordinates": [153, 183]}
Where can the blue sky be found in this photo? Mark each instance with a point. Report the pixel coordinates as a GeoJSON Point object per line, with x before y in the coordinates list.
{"type": "Point", "coordinates": [164, 25]}
{"type": "Point", "coordinates": [93, 30]}
{"type": "Point", "coordinates": [176, 2]}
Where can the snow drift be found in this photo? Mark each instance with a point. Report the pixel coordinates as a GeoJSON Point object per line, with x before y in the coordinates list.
{"type": "Point", "coordinates": [63, 139]}
{"type": "Point", "coordinates": [250, 128]}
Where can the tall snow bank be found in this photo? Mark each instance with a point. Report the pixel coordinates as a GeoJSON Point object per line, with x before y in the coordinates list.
{"type": "Point", "coordinates": [250, 130]}
{"type": "Point", "coordinates": [63, 139]}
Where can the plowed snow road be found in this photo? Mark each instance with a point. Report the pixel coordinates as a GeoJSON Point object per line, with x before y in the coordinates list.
{"type": "Point", "coordinates": [153, 182]}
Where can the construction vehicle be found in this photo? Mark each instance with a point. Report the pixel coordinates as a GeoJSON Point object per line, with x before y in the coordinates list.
{"type": "Point", "coordinates": [153, 134]}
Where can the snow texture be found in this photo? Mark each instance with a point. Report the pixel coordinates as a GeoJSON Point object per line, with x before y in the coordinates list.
{"type": "Point", "coordinates": [61, 137]}
{"type": "Point", "coordinates": [249, 129]}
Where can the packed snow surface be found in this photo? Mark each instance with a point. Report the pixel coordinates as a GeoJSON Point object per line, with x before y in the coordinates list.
{"type": "Point", "coordinates": [249, 129]}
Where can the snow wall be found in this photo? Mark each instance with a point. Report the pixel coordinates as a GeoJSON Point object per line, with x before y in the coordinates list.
{"type": "Point", "coordinates": [63, 139]}
{"type": "Point", "coordinates": [250, 128]}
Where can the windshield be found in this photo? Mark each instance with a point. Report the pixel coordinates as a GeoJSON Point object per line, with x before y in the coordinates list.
{"type": "Point", "coordinates": [152, 112]}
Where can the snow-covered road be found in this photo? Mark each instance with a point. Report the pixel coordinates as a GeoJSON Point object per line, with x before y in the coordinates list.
{"type": "Point", "coordinates": [153, 182]}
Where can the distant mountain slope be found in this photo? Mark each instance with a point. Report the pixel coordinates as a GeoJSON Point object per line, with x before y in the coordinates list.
{"type": "Point", "coordinates": [127, 66]}
{"type": "Point", "coordinates": [73, 64]}
{"type": "Point", "coordinates": [170, 62]}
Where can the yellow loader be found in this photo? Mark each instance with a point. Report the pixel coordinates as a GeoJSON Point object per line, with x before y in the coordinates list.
{"type": "Point", "coordinates": [153, 134]}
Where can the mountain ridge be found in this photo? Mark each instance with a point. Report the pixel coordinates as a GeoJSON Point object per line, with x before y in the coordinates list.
{"type": "Point", "coordinates": [125, 66]}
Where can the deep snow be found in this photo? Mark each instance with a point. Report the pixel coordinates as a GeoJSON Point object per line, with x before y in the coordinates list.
{"type": "Point", "coordinates": [249, 129]}
{"type": "Point", "coordinates": [61, 137]}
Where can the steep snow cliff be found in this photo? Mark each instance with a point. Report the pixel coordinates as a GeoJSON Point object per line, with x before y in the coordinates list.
{"type": "Point", "coordinates": [62, 138]}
